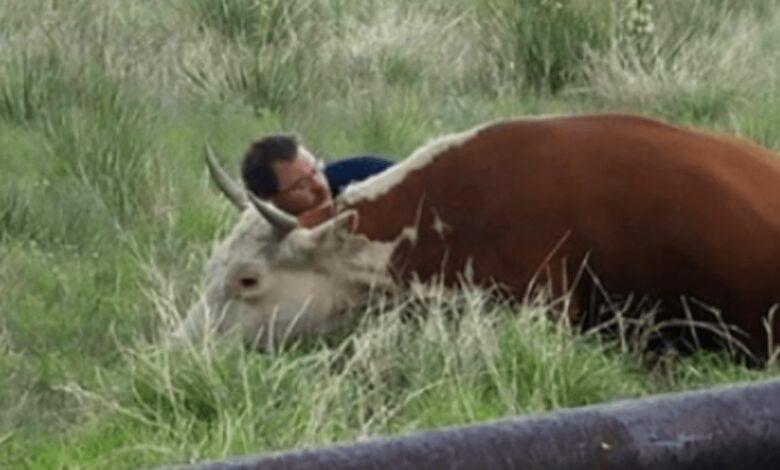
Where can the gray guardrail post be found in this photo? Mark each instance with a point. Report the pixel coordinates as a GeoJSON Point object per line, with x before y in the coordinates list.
{"type": "Point", "coordinates": [730, 427]}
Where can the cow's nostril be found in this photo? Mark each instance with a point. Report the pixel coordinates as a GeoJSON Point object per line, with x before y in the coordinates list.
{"type": "Point", "coordinates": [248, 282]}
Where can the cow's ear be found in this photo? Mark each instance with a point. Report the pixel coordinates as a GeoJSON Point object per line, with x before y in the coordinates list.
{"type": "Point", "coordinates": [349, 221]}
{"type": "Point", "coordinates": [335, 229]}
{"type": "Point", "coordinates": [311, 219]}
{"type": "Point", "coordinates": [346, 222]}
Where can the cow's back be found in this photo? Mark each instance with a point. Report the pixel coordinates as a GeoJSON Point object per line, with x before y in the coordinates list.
{"type": "Point", "coordinates": [656, 210]}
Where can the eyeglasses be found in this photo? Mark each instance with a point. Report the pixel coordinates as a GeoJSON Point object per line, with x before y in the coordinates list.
{"type": "Point", "coordinates": [301, 182]}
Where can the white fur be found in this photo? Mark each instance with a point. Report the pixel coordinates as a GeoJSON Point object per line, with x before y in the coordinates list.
{"type": "Point", "coordinates": [383, 182]}
{"type": "Point", "coordinates": [440, 226]}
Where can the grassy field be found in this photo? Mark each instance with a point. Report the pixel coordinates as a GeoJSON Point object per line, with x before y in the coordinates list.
{"type": "Point", "coordinates": [107, 214]}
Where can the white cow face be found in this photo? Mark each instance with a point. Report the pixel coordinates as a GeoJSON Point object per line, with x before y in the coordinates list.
{"type": "Point", "coordinates": [269, 287]}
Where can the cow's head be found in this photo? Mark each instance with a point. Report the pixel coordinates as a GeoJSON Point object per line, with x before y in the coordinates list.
{"type": "Point", "coordinates": [272, 280]}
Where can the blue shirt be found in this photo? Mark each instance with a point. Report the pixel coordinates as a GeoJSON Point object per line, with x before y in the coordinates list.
{"type": "Point", "coordinates": [351, 170]}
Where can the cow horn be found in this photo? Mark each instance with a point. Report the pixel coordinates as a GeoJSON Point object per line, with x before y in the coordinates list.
{"type": "Point", "coordinates": [280, 220]}
{"type": "Point", "coordinates": [233, 191]}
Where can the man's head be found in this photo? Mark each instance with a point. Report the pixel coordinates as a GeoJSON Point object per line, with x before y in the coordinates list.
{"type": "Point", "coordinates": [279, 169]}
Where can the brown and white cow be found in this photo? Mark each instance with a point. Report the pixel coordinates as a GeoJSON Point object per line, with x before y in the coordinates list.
{"type": "Point", "coordinates": [687, 218]}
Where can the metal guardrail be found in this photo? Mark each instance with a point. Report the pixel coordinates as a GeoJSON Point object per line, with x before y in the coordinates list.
{"type": "Point", "coordinates": [732, 427]}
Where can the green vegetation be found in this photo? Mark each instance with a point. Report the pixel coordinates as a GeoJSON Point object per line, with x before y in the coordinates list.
{"type": "Point", "coordinates": [107, 214]}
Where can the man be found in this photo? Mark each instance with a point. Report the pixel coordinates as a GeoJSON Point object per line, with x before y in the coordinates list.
{"type": "Point", "coordinates": [279, 169]}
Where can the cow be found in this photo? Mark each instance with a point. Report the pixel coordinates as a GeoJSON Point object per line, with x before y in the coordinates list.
{"type": "Point", "coordinates": [593, 207]}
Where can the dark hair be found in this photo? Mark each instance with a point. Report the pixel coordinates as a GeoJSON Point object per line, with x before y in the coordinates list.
{"type": "Point", "coordinates": [257, 166]}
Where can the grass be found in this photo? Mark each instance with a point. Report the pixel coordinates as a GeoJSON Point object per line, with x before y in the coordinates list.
{"type": "Point", "coordinates": [107, 214]}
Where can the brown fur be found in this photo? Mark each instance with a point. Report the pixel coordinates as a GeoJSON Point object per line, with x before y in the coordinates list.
{"type": "Point", "coordinates": [657, 211]}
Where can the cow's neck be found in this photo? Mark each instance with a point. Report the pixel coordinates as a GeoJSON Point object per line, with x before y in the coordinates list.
{"type": "Point", "coordinates": [389, 203]}
{"type": "Point", "coordinates": [396, 211]}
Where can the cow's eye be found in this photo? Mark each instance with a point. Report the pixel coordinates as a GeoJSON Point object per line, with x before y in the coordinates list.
{"type": "Point", "coordinates": [248, 282]}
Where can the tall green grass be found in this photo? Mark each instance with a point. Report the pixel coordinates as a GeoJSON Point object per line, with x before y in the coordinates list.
{"type": "Point", "coordinates": [543, 44]}
{"type": "Point", "coordinates": [688, 60]}
{"type": "Point", "coordinates": [268, 60]}
{"type": "Point", "coordinates": [107, 214]}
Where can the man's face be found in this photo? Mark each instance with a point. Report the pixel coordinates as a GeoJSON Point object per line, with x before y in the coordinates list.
{"type": "Point", "coordinates": [302, 185]}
